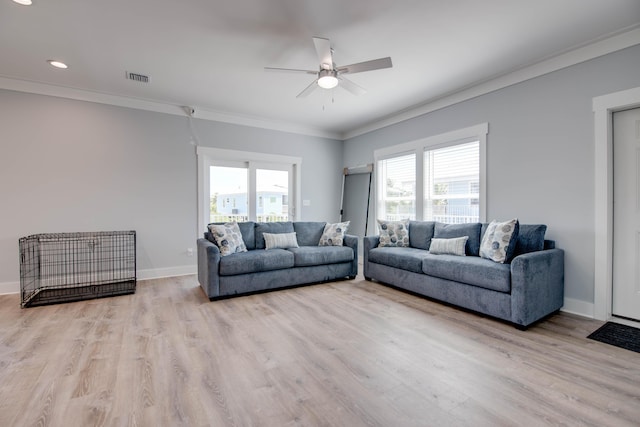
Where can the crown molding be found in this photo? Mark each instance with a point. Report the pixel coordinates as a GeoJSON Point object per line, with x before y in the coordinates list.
{"type": "Point", "coordinates": [613, 43]}
{"type": "Point", "coordinates": [604, 46]}
{"type": "Point", "coordinates": [27, 86]}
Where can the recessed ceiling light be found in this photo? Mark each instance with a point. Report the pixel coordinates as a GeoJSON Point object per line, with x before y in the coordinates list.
{"type": "Point", "coordinates": [23, 2]}
{"type": "Point", "coordinates": [57, 64]}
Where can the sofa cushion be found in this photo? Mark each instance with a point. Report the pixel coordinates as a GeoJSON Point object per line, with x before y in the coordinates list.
{"type": "Point", "coordinates": [227, 238]}
{"type": "Point", "coordinates": [448, 231]}
{"type": "Point", "coordinates": [255, 261]}
{"type": "Point", "coordinates": [247, 229]}
{"type": "Point", "coordinates": [499, 241]}
{"type": "Point", "coordinates": [273, 228]}
{"type": "Point", "coordinates": [470, 270]}
{"type": "Point", "coordinates": [318, 255]}
{"type": "Point", "coordinates": [530, 238]}
{"type": "Point", "coordinates": [420, 234]}
{"type": "Point", "coordinates": [403, 258]}
{"type": "Point", "coordinates": [280, 240]}
{"type": "Point", "coordinates": [453, 246]}
{"type": "Point", "coordinates": [394, 233]}
{"type": "Point", "coordinates": [333, 234]}
{"type": "Point", "coordinates": [309, 233]}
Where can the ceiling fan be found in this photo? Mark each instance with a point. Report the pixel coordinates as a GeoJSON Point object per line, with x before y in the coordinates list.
{"type": "Point", "coordinates": [329, 75]}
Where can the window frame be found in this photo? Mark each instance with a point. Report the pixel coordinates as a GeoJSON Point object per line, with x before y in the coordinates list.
{"type": "Point", "coordinates": [209, 156]}
{"type": "Point", "coordinates": [418, 147]}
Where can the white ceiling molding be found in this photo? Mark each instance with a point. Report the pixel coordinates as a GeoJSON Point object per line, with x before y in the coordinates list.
{"type": "Point", "coordinates": [158, 107]}
{"type": "Point", "coordinates": [600, 48]}
{"type": "Point", "coordinates": [619, 41]}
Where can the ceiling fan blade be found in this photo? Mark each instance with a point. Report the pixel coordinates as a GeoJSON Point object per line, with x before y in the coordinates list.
{"type": "Point", "coordinates": [351, 86]}
{"type": "Point", "coordinates": [323, 48]}
{"type": "Point", "coordinates": [308, 89]}
{"type": "Point", "coordinates": [290, 70]}
{"type": "Point", "coordinates": [374, 64]}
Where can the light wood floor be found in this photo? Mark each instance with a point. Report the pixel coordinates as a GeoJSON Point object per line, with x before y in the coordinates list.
{"type": "Point", "coordinates": [342, 354]}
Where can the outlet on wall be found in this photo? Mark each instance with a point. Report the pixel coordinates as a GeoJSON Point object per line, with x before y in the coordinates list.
{"type": "Point", "coordinates": [189, 251]}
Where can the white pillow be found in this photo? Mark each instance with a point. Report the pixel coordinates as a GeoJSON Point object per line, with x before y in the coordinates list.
{"type": "Point", "coordinates": [280, 240]}
{"type": "Point", "coordinates": [333, 234]}
{"type": "Point", "coordinates": [453, 246]}
{"type": "Point", "coordinates": [228, 238]}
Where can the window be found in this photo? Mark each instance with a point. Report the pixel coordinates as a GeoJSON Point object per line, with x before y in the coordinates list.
{"type": "Point", "coordinates": [451, 183]}
{"type": "Point", "coordinates": [241, 186]}
{"type": "Point", "coordinates": [439, 178]}
{"type": "Point", "coordinates": [398, 187]}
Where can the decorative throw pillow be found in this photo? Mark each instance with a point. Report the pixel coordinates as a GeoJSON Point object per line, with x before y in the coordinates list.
{"type": "Point", "coordinates": [453, 246]}
{"type": "Point", "coordinates": [333, 234]}
{"type": "Point", "coordinates": [228, 238]}
{"type": "Point", "coordinates": [280, 240]}
{"type": "Point", "coordinates": [499, 241]}
{"type": "Point", "coordinates": [394, 233]}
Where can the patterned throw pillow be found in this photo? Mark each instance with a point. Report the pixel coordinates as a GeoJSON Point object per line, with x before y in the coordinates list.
{"type": "Point", "coordinates": [280, 240]}
{"type": "Point", "coordinates": [499, 241]}
{"type": "Point", "coordinates": [394, 233]}
{"type": "Point", "coordinates": [333, 234]}
{"type": "Point", "coordinates": [228, 238]}
{"type": "Point", "coordinates": [454, 246]}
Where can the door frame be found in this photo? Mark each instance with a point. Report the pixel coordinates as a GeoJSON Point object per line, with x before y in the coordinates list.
{"type": "Point", "coordinates": [603, 108]}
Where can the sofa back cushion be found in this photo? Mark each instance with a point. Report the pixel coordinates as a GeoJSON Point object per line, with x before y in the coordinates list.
{"type": "Point", "coordinates": [530, 238]}
{"type": "Point", "coordinates": [420, 234]}
{"type": "Point", "coordinates": [270, 227]}
{"type": "Point", "coordinates": [308, 233]}
{"type": "Point", "coordinates": [472, 230]}
{"type": "Point", "coordinates": [247, 229]}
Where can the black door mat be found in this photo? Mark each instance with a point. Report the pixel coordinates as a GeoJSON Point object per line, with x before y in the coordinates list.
{"type": "Point", "coordinates": [622, 336]}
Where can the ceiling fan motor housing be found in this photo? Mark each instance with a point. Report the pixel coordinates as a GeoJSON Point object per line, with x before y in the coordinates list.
{"type": "Point", "coordinates": [328, 79]}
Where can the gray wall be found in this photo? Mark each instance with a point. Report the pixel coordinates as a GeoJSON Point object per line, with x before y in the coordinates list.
{"type": "Point", "coordinates": [69, 165]}
{"type": "Point", "coordinates": [540, 152]}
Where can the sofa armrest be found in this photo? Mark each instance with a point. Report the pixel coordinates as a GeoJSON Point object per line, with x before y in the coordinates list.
{"type": "Point", "coordinates": [537, 285]}
{"type": "Point", "coordinates": [208, 267]}
{"type": "Point", "coordinates": [352, 242]}
{"type": "Point", "coordinates": [368, 243]}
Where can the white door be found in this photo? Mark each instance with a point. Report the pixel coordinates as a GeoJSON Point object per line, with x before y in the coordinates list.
{"type": "Point", "coordinates": [626, 214]}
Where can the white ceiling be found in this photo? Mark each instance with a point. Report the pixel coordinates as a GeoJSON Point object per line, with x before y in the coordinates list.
{"type": "Point", "coordinates": [210, 54]}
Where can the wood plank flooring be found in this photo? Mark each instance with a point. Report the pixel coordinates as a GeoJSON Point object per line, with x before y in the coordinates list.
{"type": "Point", "coordinates": [350, 353]}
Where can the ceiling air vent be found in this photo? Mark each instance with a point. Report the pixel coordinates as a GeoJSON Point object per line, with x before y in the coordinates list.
{"type": "Point", "coordinates": [137, 77]}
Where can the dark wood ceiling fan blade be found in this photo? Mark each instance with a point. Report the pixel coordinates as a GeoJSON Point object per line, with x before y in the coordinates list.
{"type": "Point", "coordinates": [374, 64]}
{"type": "Point", "coordinates": [323, 49]}
{"type": "Point", "coordinates": [308, 89]}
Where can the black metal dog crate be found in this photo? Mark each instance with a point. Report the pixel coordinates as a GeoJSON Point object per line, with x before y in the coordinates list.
{"type": "Point", "coordinates": [64, 267]}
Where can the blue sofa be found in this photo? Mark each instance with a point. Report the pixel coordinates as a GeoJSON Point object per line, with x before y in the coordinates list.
{"type": "Point", "coordinates": [523, 291]}
{"type": "Point", "coordinates": [260, 269]}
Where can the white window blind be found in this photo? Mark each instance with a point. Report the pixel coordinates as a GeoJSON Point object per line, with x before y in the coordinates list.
{"type": "Point", "coordinates": [398, 187]}
{"type": "Point", "coordinates": [451, 183]}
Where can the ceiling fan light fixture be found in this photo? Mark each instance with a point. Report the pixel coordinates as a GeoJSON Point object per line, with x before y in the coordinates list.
{"type": "Point", "coordinates": [327, 79]}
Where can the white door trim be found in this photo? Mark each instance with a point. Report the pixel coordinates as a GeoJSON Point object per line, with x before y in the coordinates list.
{"type": "Point", "coordinates": [603, 108]}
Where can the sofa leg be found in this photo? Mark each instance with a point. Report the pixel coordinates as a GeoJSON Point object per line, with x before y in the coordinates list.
{"type": "Point", "coordinates": [351, 277]}
{"type": "Point", "coordinates": [368, 279]}
{"type": "Point", "coordinates": [522, 327]}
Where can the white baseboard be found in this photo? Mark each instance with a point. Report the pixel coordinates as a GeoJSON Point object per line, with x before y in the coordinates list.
{"type": "Point", "coordinates": [579, 307]}
{"type": "Point", "coordinates": [152, 273]}
{"type": "Point", "coordinates": [158, 273]}
{"type": "Point", "coordinates": [9, 288]}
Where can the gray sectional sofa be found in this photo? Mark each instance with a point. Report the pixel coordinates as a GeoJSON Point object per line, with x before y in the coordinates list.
{"type": "Point", "coordinates": [259, 269]}
{"type": "Point", "coordinates": [523, 291]}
